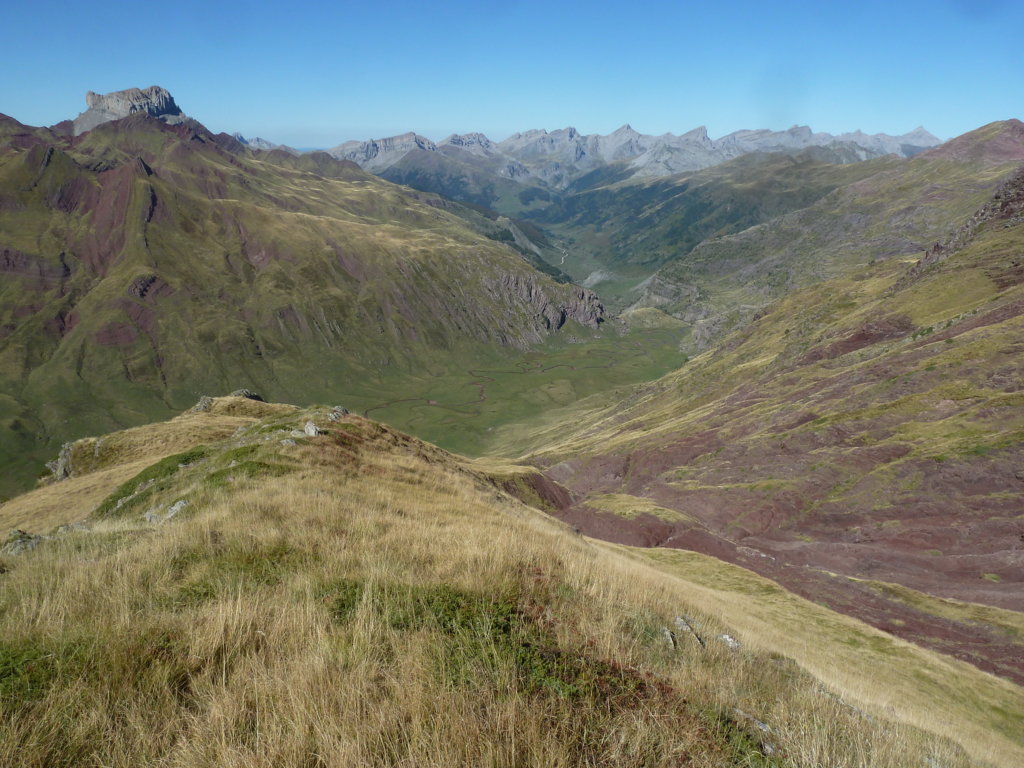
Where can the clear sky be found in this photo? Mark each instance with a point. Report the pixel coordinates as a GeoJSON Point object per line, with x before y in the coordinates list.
{"type": "Point", "coordinates": [315, 73]}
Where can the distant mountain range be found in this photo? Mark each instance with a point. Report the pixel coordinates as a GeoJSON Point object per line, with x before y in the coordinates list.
{"type": "Point", "coordinates": [538, 157]}
{"type": "Point", "coordinates": [558, 158]}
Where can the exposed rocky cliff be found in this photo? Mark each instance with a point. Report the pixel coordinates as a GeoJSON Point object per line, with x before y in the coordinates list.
{"type": "Point", "coordinates": [377, 154]}
{"type": "Point", "coordinates": [103, 108]}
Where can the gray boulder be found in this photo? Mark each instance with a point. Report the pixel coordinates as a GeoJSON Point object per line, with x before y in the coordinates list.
{"type": "Point", "coordinates": [248, 394]}
{"type": "Point", "coordinates": [61, 466]}
{"type": "Point", "coordinates": [21, 541]}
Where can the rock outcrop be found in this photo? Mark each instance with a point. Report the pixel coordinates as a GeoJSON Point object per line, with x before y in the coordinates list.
{"type": "Point", "coordinates": [377, 154]}
{"type": "Point", "coordinates": [103, 108]}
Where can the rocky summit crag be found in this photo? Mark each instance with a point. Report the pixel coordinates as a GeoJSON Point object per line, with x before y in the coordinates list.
{"type": "Point", "coordinates": [105, 107]}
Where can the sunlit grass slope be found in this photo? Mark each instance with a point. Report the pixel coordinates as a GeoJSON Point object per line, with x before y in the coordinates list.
{"type": "Point", "coordinates": [871, 427]}
{"type": "Point", "coordinates": [358, 597]}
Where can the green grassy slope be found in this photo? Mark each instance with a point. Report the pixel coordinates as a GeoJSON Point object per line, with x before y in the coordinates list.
{"type": "Point", "coordinates": [646, 223]}
{"type": "Point", "coordinates": [865, 431]}
{"type": "Point", "coordinates": [146, 264]}
{"type": "Point", "coordinates": [467, 178]}
{"type": "Point", "coordinates": [898, 211]}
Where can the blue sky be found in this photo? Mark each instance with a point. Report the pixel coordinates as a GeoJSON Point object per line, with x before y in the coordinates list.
{"type": "Point", "coordinates": [317, 73]}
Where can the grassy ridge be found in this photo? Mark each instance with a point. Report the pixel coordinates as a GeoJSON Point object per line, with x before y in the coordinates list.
{"type": "Point", "coordinates": [382, 603]}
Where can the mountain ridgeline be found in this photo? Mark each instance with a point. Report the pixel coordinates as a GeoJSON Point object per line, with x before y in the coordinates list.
{"type": "Point", "coordinates": [557, 160]}
{"type": "Point", "coordinates": [678, 222]}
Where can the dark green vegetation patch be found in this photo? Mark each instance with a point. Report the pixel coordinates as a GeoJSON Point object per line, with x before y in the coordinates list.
{"type": "Point", "coordinates": [134, 493]}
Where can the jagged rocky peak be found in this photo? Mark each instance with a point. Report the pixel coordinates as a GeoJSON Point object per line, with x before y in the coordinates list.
{"type": "Point", "coordinates": [105, 107]}
{"type": "Point", "coordinates": [921, 137]}
{"type": "Point", "coordinates": [700, 134]}
{"type": "Point", "coordinates": [254, 143]}
{"type": "Point", "coordinates": [406, 140]}
{"type": "Point", "coordinates": [263, 144]}
{"type": "Point", "coordinates": [468, 140]}
{"type": "Point", "coordinates": [377, 155]}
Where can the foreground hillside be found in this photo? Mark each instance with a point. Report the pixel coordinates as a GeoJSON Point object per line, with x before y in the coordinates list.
{"type": "Point", "coordinates": [234, 587]}
{"type": "Point", "coordinates": [861, 443]}
{"type": "Point", "coordinates": [143, 263]}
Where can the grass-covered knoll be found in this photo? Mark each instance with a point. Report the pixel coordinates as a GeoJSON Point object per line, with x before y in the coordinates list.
{"type": "Point", "coordinates": [384, 603]}
{"type": "Point", "coordinates": [98, 465]}
{"type": "Point", "coordinates": [631, 507]}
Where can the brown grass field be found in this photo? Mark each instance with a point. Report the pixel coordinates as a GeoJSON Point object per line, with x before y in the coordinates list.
{"type": "Point", "coordinates": [360, 598]}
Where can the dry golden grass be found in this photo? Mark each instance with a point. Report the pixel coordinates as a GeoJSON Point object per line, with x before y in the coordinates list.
{"type": "Point", "coordinates": [886, 676]}
{"type": "Point", "coordinates": [381, 604]}
{"type": "Point", "coordinates": [101, 464]}
{"type": "Point", "coordinates": [47, 507]}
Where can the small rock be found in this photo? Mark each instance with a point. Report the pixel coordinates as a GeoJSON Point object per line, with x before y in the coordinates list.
{"type": "Point", "coordinates": [690, 626]}
{"type": "Point", "coordinates": [729, 640]}
{"type": "Point", "coordinates": [156, 518]}
{"type": "Point", "coordinates": [750, 718]}
{"type": "Point", "coordinates": [21, 541]}
{"type": "Point", "coordinates": [686, 624]}
{"type": "Point", "coordinates": [248, 394]}
{"type": "Point", "coordinates": [670, 637]}
{"type": "Point", "coordinates": [337, 412]}
{"type": "Point", "coordinates": [297, 433]}
{"type": "Point", "coordinates": [288, 441]}
{"type": "Point", "coordinates": [312, 430]}
{"type": "Point", "coordinates": [205, 403]}
{"type": "Point", "coordinates": [175, 508]}
{"type": "Point", "coordinates": [80, 527]}
{"type": "Point", "coordinates": [61, 466]}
